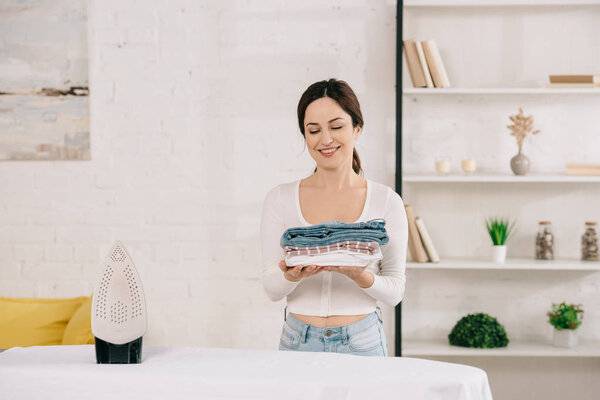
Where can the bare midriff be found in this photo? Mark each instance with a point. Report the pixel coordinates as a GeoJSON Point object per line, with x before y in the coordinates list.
{"type": "Point", "coordinates": [330, 321]}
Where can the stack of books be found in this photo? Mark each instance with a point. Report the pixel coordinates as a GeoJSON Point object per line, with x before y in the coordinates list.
{"type": "Point", "coordinates": [425, 64]}
{"type": "Point", "coordinates": [583, 169]}
{"type": "Point", "coordinates": [574, 81]}
{"type": "Point", "coordinates": [419, 242]}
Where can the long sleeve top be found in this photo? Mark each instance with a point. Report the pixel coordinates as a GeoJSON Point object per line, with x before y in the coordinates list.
{"type": "Point", "coordinates": [328, 292]}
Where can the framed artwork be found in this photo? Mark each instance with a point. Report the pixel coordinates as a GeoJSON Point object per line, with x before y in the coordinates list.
{"type": "Point", "coordinates": [44, 106]}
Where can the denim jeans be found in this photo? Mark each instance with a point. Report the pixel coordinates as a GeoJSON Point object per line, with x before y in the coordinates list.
{"type": "Point", "coordinates": [333, 232]}
{"type": "Point", "coordinates": [363, 338]}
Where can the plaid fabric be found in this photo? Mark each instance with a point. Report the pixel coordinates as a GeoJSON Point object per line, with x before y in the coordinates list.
{"type": "Point", "coordinates": [369, 248]}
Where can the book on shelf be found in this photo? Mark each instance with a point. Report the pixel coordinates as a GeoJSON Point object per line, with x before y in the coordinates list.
{"type": "Point", "coordinates": [414, 65]}
{"type": "Point", "coordinates": [427, 242]}
{"type": "Point", "coordinates": [424, 65]}
{"type": "Point", "coordinates": [436, 66]}
{"type": "Point", "coordinates": [415, 246]}
{"type": "Point", "coordinates": [575, 79]}
{"type": "Point", "coordinates": [583, 169]}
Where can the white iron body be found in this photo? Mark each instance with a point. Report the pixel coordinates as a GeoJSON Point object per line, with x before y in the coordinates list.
{"type": "Point", "coordinates": [119, 305]}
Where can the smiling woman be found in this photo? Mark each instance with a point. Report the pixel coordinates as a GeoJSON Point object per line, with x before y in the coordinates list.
{"type": "Point", "coordinates": [325, 136]}
{"type": "Point", "coordinates": [337, 310]}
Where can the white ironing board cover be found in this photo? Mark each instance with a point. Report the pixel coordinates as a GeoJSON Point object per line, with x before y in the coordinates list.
{"type": "Point", "coordinates": [71, 372]}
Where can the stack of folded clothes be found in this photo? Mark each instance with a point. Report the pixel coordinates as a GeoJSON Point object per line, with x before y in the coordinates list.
{"type": "Point", "coordinates": [335, 243]}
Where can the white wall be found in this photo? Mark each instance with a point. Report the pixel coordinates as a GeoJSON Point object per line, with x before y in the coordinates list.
{"type": "Point", "coordinates": [193, 119]}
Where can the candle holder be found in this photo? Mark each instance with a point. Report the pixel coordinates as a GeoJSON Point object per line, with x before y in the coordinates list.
{"type": "Point", "coordinates": [442, 165]}
{"type": "Point", "coordinates": [468, 165]}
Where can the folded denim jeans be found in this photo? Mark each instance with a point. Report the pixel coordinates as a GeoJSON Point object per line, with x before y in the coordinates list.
{"type": "Point", "coordinates": [332, 232]}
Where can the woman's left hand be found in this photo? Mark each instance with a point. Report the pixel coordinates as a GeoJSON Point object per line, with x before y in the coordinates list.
{"type": "Point", "coordinates": [359, 275]}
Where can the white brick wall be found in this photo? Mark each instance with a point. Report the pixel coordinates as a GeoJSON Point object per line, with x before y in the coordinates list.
{"type": "Point", "coordinates": [192, 112]}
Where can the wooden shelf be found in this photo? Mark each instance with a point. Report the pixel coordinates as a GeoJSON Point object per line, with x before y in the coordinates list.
{"type": "Point", "coordinates": [497, 3]}
{"type": "Point", "coordinates": [491, 178]}
{"type": "Point", "coordinates": [515, 348]}
{"type": "Point", "coordinates": [541, 90]}
{"type": "Point", "coordinates": [510, 264]}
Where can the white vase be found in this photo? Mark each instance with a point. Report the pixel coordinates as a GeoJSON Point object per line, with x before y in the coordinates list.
{"type": "Point", "coordinates": [499, 254]}
{"type": "Point", "coordinates": [565, 338]}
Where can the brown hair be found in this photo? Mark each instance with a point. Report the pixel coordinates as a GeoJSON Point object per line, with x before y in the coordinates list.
{"type": "Point", "coordinates": [341, 93]}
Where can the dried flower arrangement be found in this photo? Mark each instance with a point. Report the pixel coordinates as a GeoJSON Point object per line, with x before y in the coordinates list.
{"type": "Point", "coordinates": [522, 125]}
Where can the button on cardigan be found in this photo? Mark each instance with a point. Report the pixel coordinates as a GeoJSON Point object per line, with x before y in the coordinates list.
{"type": "Point", "coordinates": [328, 292]}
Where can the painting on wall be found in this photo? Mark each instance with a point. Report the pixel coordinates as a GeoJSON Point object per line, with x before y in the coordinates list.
{"type": "Point", "coordinates": [44, 107]}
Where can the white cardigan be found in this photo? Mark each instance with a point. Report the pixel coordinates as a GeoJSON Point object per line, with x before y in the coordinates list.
{"type": "Point", "coordinates": [332, 293]}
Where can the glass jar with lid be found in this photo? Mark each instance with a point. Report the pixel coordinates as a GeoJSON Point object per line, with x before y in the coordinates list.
{"type": "Point", "coordinates": [589, 243]}
{"type": "Point", "coordinates": [544, 241]}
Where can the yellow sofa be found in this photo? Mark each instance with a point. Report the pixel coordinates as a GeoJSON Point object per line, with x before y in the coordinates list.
{"type": "Point", "coordinates": [44, 322]}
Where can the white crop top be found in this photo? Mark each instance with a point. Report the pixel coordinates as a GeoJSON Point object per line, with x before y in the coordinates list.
{"type": "Point", "coordinates": [328, 292]}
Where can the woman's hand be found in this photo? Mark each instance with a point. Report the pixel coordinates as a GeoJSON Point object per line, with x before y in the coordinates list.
{"type": "Point", "coordinates": [297, 273]}
{"type": "Point", "coordinates": [360, 275]}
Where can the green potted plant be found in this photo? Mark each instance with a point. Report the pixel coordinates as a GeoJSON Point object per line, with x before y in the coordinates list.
{"type": "Point", "coordinates": [565, 318]}
{"type": "Point", "coordinates": [499, 230]}
{"type": "Point", "coordinates": [478, 330]}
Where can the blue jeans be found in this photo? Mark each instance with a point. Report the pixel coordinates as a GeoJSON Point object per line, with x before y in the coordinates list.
{"type": "Point", "coordinates": [332, 232]}
{"type": "Point", "coordinates": [363, 338]}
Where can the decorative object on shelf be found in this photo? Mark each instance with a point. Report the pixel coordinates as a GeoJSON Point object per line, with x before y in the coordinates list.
{"type": "Point", "coordinates": [522, 125]}
{"type": "Point", "coordinates": [478, 331]}
{"type": "Point", "coordinates": [424, 65]}
{"type": "Point", "coordinates": [415, 245]}
{"type": "Point", "coordinates": [414, 64]}
{"type": "Point", "coordinates": [442, 165]}
{"type": "Point", "coordinates": [499, 230]}
{"type": "Point", "coordinates": [544, 241]}
{"type": "Point", "coordinates": [589, 243]}
{"type": "Point", "coordinates": [574, 81]}
{"type": "Point", "coordinates": [583, 169]}
{"type": "Point", "coordinates": [468, 165]}
{"type": "Point", "coordinates": [435, 64]}
{"type": "Point", "coordinates": [565, 318]}
{"type": "Point", "coordinates": [427, 242]}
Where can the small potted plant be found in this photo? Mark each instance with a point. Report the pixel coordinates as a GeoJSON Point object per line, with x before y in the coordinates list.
{"type": "Point", "coordinates": [521, 126]}
{"type": "Point", "coordinates": [565, 318]}
{"type": "Point", "coordinates": [500, 230]}
{"type": "Point", "coordinates": [478, 330]}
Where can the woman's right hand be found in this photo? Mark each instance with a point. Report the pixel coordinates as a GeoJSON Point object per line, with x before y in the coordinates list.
{"type": "Point", "coordinates": [297, 273]}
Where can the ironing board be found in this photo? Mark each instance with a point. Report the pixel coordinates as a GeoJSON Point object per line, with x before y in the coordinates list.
{"type": "Point", "coordinates": [71, 372]}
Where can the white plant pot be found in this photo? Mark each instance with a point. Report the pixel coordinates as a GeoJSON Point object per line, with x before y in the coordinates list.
{"type": "Point", "coordinates": [565, 338]}
{"type": "Point", "coordinates": [499, 254]}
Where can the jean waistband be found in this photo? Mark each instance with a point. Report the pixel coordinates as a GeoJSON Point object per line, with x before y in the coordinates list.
{"type": "Point", "coordinates": [358, 326]}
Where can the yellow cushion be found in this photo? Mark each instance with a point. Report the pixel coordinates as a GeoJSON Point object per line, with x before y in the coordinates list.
{"type": "Point", "coordinates": [35, 322]}
{"type": "Point", "coordinates": [79, 328]}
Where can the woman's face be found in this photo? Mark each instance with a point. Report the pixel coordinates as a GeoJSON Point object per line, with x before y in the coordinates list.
{"type": "Point", "coordinates": [329, 134]}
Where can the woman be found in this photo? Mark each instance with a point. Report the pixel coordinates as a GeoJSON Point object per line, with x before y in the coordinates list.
{"type": "Point", "coordinates": [333, 308]}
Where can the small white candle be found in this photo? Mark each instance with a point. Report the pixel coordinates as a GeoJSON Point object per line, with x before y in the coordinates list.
{"type": "Point", "coordinates": [442, 166]}
{"type": "Point", "coordinates": [468, 165]}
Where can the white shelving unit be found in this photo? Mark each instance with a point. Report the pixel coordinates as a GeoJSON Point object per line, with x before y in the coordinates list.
{"type": "Point", "coordinates": [412, 347]}
{"type": "Point", "coordinates": [499, 178]}
{"type": "Point", "coordinates": [515, 348]}
{"type": "Point", "coordinates": [510, 264]}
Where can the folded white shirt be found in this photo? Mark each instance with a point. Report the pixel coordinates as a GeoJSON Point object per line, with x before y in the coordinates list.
{"type": "Point", "coordinates": [337, 257]}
